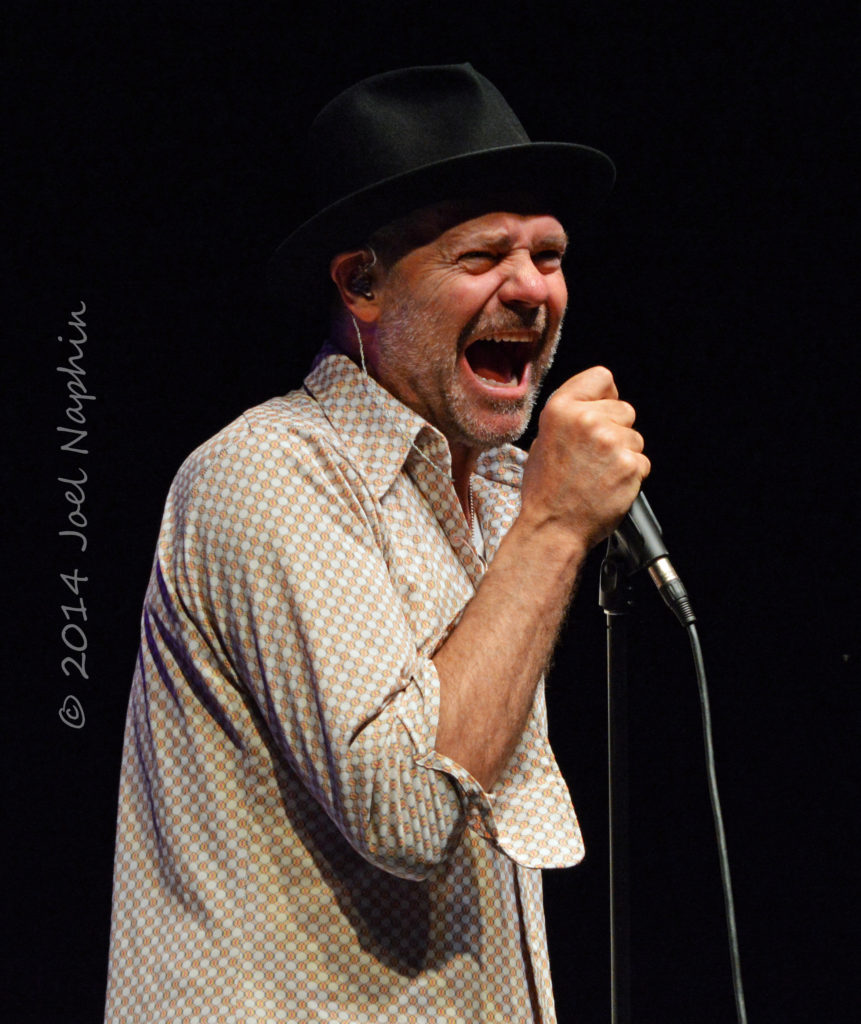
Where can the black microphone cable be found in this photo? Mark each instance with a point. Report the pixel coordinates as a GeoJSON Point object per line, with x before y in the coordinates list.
{"type": "Point", "coordinates": [639, 541]}
{"type": "Point", "coordinates": [723, 856]}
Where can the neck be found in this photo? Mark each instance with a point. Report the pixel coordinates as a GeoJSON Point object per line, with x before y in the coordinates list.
{"type": "Point", "coordinates": [463, 457]}
{"type": "Point", "coordinates": [343, 335]}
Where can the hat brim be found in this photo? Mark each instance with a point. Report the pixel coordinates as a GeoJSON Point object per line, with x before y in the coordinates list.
{"type": "Point", "coordinates": [568, 180]}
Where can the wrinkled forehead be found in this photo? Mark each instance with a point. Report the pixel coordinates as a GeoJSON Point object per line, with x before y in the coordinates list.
{"type": "Point", "coordinates": [423, 226]}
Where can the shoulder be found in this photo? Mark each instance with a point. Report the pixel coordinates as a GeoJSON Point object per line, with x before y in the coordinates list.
{"type": "Point", "coordinates": [272, 454]}
{"type": "Point", "coordinates": [277, 434]}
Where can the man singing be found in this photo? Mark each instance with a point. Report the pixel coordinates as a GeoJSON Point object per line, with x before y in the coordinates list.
{"type": "Point", "coordinates": [337, 789]}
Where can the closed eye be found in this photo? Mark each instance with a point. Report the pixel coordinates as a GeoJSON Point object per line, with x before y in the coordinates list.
{"type": "Point", "coordinates": [548, 259]}
{"type": "Point", "coordinates": [479, 260]}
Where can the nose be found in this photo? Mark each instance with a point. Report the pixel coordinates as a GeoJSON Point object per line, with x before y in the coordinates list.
{"type": "Point", "coordinates": [525, 285]}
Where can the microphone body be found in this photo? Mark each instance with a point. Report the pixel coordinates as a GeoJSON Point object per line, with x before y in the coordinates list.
{"type": "Point", "coordinates": [639, 543]}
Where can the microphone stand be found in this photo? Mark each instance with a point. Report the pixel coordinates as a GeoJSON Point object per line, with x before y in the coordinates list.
{"type": "Point", "coordinates": [615, 598]}
{"type": "Point", "coordinates": [637, 544]}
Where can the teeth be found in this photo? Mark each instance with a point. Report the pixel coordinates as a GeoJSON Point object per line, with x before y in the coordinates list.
{"type": "Point", "coordinates": [497, 383]}
{"type": "Point", "coordinates": [510, 341]}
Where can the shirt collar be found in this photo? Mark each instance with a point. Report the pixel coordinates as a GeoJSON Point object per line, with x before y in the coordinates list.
{"type": "Point", "coordinates": [378, 431]}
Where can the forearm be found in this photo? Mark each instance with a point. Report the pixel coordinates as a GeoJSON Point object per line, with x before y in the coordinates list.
{"type": "Point", "coordinates": [584, 470]}
{"type": "Point", "coordinates": [490, 665]}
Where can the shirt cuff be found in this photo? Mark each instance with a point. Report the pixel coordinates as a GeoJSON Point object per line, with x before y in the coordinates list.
{"type": "Point", "coordinates": [528, 814]}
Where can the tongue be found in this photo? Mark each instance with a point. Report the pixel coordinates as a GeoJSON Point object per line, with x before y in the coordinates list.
{"type": "Point", "coordinates": [490, 359]}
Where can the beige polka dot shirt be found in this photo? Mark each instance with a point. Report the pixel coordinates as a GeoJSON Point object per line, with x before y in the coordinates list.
{"type": "Point", "coordinates": [290, 847]}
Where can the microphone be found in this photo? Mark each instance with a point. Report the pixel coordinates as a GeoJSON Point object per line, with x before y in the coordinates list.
{"type": "Point", "coordinates": [639, 542]}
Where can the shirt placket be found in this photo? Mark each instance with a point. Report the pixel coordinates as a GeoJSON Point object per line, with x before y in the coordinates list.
{"type": "Point", "coordinates": [429, 470]}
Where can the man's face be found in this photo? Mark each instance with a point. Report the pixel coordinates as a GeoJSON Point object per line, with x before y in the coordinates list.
{"type": "Point", "coordinates": [469, 324]}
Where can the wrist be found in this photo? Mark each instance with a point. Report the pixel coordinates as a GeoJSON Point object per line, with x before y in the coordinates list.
{"type": "Point", "coordinates": [553, 551]}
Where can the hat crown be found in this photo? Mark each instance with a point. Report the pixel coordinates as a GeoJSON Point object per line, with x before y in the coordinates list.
{"type": "Point", "coordinates": [400, 121]}
{"type": "Point", "coordinates": [409, 138]}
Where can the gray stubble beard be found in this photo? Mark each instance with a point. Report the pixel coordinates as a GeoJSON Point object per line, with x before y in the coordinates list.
{"type": "Point", "coordinates": [462, 425]}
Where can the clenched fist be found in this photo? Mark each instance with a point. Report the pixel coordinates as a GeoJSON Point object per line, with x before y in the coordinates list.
{"type": "Point", "coordinates": [586, 465]}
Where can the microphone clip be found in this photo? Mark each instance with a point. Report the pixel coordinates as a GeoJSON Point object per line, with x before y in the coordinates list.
{"type": "Point", "coordinates": [638, 543]}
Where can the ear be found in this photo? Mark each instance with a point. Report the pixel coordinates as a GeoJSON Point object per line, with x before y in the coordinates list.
{"type": "Point", "coordinates": [353, 275]}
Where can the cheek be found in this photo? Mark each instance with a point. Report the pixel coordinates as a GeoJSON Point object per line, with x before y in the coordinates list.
{"type": "Point", "coordinates": [559, 295]}
{"type": "Point", "coordinates": [471, 298]}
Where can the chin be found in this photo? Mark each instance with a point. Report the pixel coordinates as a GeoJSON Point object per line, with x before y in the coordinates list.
{"type": "Point", "coordinates": [504, 424]}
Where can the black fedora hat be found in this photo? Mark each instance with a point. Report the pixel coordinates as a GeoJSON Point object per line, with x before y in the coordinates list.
{"type": "Point", "coordinates": [416, 136]}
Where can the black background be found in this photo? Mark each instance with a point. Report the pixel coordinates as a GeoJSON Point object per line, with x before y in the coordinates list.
{"type": "Point", "coordinates": [154, 166]}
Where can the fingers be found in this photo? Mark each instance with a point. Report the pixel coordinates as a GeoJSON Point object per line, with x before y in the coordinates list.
{"type": "Point", "coordinates": [595, 412]}
{"type": "Point", "coordinates": [587, 463]}
{"type": "Point", "coordinates": [589, 385]}
{"type": "Point", "coordinates": [596, 387]}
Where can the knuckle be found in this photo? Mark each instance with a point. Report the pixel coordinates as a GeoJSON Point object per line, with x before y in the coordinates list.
{"type": "Point", "coordinates": [604, 379]}
{"type": "Point", "coordinates": [552, 412]}
{"type": "Point", "coordinates": [605, 440]}
{"type": "Point", "coordinates": [629, 462]}
{"type": "Point", "coordinates": [587, 418]}
{"type": "Point", "coordinates": [629, 413]}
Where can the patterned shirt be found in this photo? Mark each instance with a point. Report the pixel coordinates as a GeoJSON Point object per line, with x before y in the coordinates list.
{"type": "Point", "coordinates": [290, 847]}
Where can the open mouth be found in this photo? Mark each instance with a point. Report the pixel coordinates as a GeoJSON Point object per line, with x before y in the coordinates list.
{"type": "Point", "coordinates": [499, 362]}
